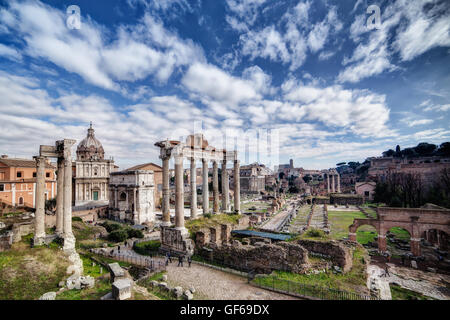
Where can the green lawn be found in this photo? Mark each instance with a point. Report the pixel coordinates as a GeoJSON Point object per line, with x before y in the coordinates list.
{"type": "Point", "coordinates": [27, 273]}
{"type": "Point", "coordinates": [352, 281]}
{"type": "Point", "coordinates": [341, 220]}
{"type": "Point", "coordinates": [101, 288]}
{"type": "Point", "coordinates": [399, 293]}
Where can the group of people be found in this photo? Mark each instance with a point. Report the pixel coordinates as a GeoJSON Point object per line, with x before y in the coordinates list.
{"type": "Point", "coordinates": [181, 259]}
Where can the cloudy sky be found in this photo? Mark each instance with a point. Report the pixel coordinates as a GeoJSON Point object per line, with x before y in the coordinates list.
{"type": "Point", "coordinates": [310, 74]}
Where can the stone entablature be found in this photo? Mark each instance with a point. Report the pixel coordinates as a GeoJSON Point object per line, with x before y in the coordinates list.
{"type": "Point", "coordinates": [132, 196]}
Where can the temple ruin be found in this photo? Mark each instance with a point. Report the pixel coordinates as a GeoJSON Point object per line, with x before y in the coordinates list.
{"type": "Point", "coordinates": [195, 148]}
{"type": "Point", "coordinates": [61, 151]}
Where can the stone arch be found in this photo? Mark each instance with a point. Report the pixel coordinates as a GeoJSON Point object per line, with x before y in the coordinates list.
{"type": "Point", "coordinates": [437, 235]}
{"type": "Point", "coordinates": [365, 226]}
{"type": "Point", "coordinates": [20, 201]}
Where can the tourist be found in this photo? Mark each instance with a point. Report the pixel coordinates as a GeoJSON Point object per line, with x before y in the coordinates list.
{"type": "Point", "coordinates": [118, 250]}
{"type": "Point", "coordinates": [189, 261]}
{"type": "Point", "coordinates": [170, 258]}
{"type": "Point", "coordinates": [180, 261]}
{"type": "Point", "coordinates": [386, 271]}
{"type": "Point", "coordinates": [403, 260]}
{"type": "Point", "coordinates": [167, 261]}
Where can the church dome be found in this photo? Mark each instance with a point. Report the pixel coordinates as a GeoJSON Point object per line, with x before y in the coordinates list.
{"type": "Point", "coordinates": [90, 148]}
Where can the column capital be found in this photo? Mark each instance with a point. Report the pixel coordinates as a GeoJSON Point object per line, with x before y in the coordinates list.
{"type": "Point", "coordinates": [40, 160]}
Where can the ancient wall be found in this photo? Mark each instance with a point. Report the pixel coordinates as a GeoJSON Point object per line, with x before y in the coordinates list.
{"type": "Point", "coordinates": [6, 241]}
{"type": "Point", "coordinates": [261, 257]}
{"type": "Point", "coordinates": [337, 252]}
{"type": "Point", "coordinates": [21, 229]}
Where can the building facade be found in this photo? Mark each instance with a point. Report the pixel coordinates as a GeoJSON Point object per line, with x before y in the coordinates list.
{"type": "Point", "coordinates": [131, 196]}
{"type": "Point", "coordinates": [91, 172]}
{"type": "Point", "coordinates": [157, 178]}
{"type": "Point", "coordinates": [18, 181]}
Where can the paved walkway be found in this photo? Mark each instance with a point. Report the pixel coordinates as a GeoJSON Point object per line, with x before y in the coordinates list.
{"type": "Point", "coordinates": [211, 284]}
{"type": "Point", "coordinates": [275, 222]}
{"type": "Point", "coordinates": [376, 280]}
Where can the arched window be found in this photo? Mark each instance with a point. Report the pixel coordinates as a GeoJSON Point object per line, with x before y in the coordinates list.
{"type": "Point", "coordinates": [21, 201]}
{"type": "Point", "coordinates": [123, 196]}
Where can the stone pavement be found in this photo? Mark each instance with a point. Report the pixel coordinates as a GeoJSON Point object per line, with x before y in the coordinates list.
{"type": "Point", "coordinates": [377, 281]}
{"type": "Point", "coordinates": [211, 284]}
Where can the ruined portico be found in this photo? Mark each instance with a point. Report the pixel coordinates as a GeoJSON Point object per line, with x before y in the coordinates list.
{"type": "Point", "coordinates": [61, 151]}
{"type": "Point", "coordinates": [334, 185]}
{"type": "Point", "coordinates": [195, 148]}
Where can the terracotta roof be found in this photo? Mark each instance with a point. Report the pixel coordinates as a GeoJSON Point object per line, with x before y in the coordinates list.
{"type": "Point", "coordinates": [22, 163]}
{"type": "Point", "coordinates": [140, 166]}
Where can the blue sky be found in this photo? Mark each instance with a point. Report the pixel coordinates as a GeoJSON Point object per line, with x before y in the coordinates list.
{"type": "Point", "coordinates": [326, 87]}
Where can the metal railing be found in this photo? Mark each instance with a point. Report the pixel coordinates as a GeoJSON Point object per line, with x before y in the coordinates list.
{"type": "Point", "coordinates": [154, 265]}
{"type": "Point", "coordinates": [306, 291]}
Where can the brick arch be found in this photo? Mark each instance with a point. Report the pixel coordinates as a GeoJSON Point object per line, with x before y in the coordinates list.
{"type": "Point", "coordinates": [360, 222]}
{"type": "Point", "coordinates": [426, 227]}
{"type": "Point", "coordinates": [386, 226]}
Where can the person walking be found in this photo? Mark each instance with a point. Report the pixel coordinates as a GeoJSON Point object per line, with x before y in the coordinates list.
{"type": "Point", "coordinates": [169, 256]}
{"type": "Point", "coordinates": [180, 261]}
{"type": "Point", "coordinates": [189, 261]}
{"type": "Point", "coordinates": [386, 271]}
{"type": "Point", "coordinates": [403, 260]}
{"type": "Point", "coordinates": [167, 261]}
{"type": "Point", "coordinates": [118, 249]}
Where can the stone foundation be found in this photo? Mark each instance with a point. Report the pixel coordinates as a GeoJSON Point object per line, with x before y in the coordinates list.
{"type": "Point", "coordinates": [337, 252]}
{"type": "Point", "coordinates": [261, 257]}
{"type": "Point", "coordinates": [176, 241]}
{"type": "Point", "coordinates": [6, 241]}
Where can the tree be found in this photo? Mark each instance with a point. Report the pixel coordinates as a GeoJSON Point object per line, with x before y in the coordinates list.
{"type": "Point", "coordinates": [444, 149]}
{"type": "Point", "coordinates": [388, 153]}
{"type": "Point", "coordinates": [425, 149]}
{"type": "Point", "coordinates": [340, 164]}
{"type": "Point", "coordinates": [307, 179]}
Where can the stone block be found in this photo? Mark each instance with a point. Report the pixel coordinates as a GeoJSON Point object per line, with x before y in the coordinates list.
{"type": "Point", "coordinates": [414, 264]}
{"type": "Point", "coordinates": [48, 296]}
{"type": "Point", "coordinates": [121, 289]}
{"type": "Point", "coordinates": [177, 292]}
{"type": "Point", "coordinates": [116, 271]}
{"type": "Point", "coordinates": [187, 295]}
{"type": "Point", "coordinates": [87, 282]}
{"type": "Point", "coordinates": [164, 278]}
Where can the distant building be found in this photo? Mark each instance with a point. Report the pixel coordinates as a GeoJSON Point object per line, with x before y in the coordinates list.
{"type": "Point", "coordinates": [131, 196]}
{"type": "Point", "coordinates": [91, 172]}
{"type": "Point", "coordinates": [366, 189]}
{"type": "Point", "coordinates": [18, 181]}
{"type": "Point", "coordinates": [253, 178]}
{"type": "Point", "coordinates": [157, 178]}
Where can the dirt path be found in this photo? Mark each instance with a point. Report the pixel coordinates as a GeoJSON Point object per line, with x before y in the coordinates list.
{"type": "Point", "coordinates": [211, 284]}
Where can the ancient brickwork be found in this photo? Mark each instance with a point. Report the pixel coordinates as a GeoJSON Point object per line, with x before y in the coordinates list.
{"type": "Point", "coordinates": [337, 252]}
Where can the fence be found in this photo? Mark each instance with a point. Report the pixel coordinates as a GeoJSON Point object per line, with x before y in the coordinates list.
{"type": "Point", "coordinates": [307, 291]}
{"type": "Point", "coordinates": [152, 264]}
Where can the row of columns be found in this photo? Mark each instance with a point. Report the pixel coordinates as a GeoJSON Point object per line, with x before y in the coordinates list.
{"type": "Point", "coordinates": [333, 183]}
{"type": "Point", "coordinates": [179, 189]}
{"type": "Point", "coordinates": [63, 200]}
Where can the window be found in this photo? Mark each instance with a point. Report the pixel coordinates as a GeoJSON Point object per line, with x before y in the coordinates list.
{"type": "Point", "coordinates": [123, 196]}
{"type": "Point", "coordinates": [34, 174]}
{"type": "Point", "coordinates": [47, 174]}
{"type": "Point", "coordinates": [2, 187]}
{"type": "Point", "coordinates": [21, 201]}
{"type": "Point", "coordinates": [19, 174]}
{"type": "Point", "coordinates": [366, 193]}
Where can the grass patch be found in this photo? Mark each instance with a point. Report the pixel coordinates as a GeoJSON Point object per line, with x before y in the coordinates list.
{"type": "Point", "coordinates": [399, 293]}
{"type": "Point", "coordinates": [340, 221]}
{"type": "Point", "coordinates": [400, 233]}
{"type": "Point", "coordinates": [27, 273]}
{"type": "Point", "coordinates": [102, 287]}
{"type": "Point", "coordinates": [156, 291]}
{"type": "Point", "coordinates": [216, 219]}
{"type": "Point", "coordinates": [353, 281]}
{"type": "Point", "coordinates": [147, 247]}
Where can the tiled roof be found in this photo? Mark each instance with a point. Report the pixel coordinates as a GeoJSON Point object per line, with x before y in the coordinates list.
{"type": "Point", "coordinates": [22, 163]}
{"type": "Point", "coordinates": [140, 166]}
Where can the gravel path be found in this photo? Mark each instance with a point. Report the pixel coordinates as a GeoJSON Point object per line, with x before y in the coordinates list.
{"type": "Point", "coordinates": [211, 284]}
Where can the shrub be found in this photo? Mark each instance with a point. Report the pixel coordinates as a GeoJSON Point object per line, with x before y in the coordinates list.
{"type": "Point", "coordinates": [133, 233]}
{"type": "Point", "coordinates": [208, 215]}
{"type": "Point", "coordinates": [110, 226]}
{"type": "Point", "coordinates": [147, 247]}
{"type": "Point", "coordinates": [118, 236]}
{"type": "Point", "coordinates": [77, 219]}
{"type": "Point", "coordinates": [315, 233]}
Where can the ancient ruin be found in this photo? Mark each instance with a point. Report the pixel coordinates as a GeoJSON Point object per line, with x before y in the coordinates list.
{"type": "Point", "coordinates": [61, 151]}
{"type": "Point", "coordinates": [417, 221]}
{"type": "Point", "coordinates": [195, 148]}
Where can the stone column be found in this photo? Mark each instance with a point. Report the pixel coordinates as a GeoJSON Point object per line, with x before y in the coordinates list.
{"type": "Point", "coordinates": [216, 208]}
{"type": "Point", "coordinates": [193, 189]}
{"type": "Point", "coordinates": [338, 183]}
{"type": "Point", "coordinates": [135, 213]}
{"type": "Point", "coordinates": [237, 187]}
{"type": "Point", "coordinates": [332, 184]}
{"type": "Point", "coordinates": [179, 193]}
{"type": "Point", "coordinates": [39, 218]}
{"type": "Point", "coordinates": [69, 239]}
{"type": "Point", "coordinates": [205, 190]}
{"type": "Point", "coordinates": [225, 194]}
{"type": "Point", "coordinates": [382, 244]}
{"type": "Point", "coordinates": [415, 246]}
{"type": "Point", "coordinates": [166, 194]}
{"type": "Point", "coordinates": [116, 200]}
{"type": "Point", "coordinates": [60, 199]}
{"type": "Point", "coordinates": [328, 183]}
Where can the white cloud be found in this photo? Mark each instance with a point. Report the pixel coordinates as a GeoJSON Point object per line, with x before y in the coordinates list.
{"type": "Point", "coordinates": [415, 26]}
{"type": "Point", "coordinates": [140, 50]}
{"type": "Point", "coordinates": [10, 53]}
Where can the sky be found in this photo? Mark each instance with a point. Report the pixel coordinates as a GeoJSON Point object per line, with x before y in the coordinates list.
{"type": "Point", "coordinates": [318, 81]}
